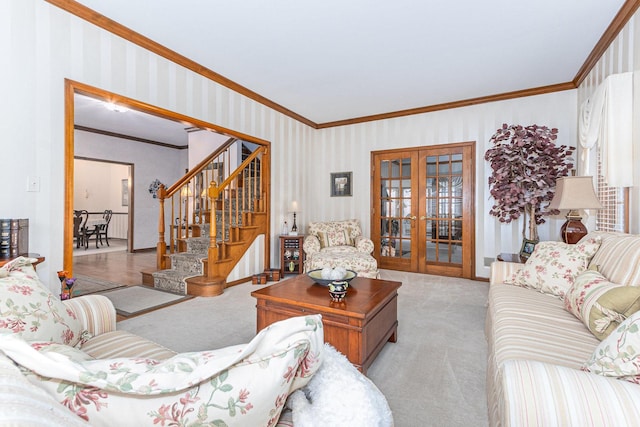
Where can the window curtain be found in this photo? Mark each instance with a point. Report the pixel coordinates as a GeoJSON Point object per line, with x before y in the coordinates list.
{"type": "Point", "coordinates": [606, 119]}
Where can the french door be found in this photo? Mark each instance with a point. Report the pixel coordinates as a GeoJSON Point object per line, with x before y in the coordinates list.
{"type": "Point", "coordinates": [422, 213]}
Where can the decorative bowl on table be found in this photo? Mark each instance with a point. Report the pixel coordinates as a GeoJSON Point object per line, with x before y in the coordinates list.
{"type": "Point", "coordinates": [324, 280]}
{"type": "Point", "coordinates": [338, 290]}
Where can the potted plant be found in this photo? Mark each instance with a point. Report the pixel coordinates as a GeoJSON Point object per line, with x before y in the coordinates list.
{"type": "Point", "coordinates": [526, 163]}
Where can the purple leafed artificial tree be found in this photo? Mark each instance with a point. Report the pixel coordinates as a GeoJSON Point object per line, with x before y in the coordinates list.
{"type": "Point", "coordinates": [526, 163]}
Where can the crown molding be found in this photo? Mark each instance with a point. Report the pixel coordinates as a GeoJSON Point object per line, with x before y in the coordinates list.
{"type": "Point", "coordinates": [455, 104]}
{"type": "Point", "coordinates": [126, 33]}
{"type": "Point", "coordinates": [612, 31]}
{"type": "Point", "coordinates": [129, 137]}
{"type": "Point", "coordinates": [619, 21]}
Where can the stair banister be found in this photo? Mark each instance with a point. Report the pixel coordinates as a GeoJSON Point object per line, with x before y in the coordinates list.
{"type": "Point", "coordinates": [230, 207]}
{"type": "Point", "coordinates": [162, 245]}
{"type": "Point", "coordinates": [212, 253]}
{"type": "Point", "coordinates": [242, 166]}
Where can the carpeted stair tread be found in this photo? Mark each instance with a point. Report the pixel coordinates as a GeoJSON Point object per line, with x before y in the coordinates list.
{"type": "Point", "coordinates": [197, 245]}
{"type": "Point", "coordinates": [188, 264]}
{"type": "Point", "coordinates": [171, 280]}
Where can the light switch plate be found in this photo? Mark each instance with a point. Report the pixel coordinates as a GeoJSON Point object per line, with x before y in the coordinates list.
{"type": "Point", "coordinates": [33, 183]}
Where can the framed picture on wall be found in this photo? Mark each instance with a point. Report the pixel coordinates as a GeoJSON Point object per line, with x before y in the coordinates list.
{"type": "Point", "coordinates": [125, 192]}
{"type": "Point", "coordinates": [340, 184]}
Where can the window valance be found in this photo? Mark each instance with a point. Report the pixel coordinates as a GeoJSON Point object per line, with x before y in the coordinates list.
{"type": "Point", "coordinates": [606, 119]}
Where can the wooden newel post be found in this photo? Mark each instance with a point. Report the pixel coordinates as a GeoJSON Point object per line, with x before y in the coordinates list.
{"type": "Point", "coordinates": [161, 248]}
{"type": "Point", "coordinates": [212, 254]}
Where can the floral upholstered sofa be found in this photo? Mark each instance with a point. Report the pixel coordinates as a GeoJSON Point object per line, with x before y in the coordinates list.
{"type": "Point", "coordinates": [339, 244]}
{"type": "Point", "coordinates": [563, 332]}
{"type": "Point", "coordinates": [63, 363]}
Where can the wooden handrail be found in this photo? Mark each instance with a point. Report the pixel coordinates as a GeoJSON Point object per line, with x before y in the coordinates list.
{"type": "Point", "coordinates": [198, 168]}
{"type": "Point", "coordinates": [198, 198]}
{"type": "Point", "coordinates": [241, 168]}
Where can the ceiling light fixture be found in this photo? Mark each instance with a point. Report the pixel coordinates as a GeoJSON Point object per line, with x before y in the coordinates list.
{"type": "Point", "coordinates": [115, 107]}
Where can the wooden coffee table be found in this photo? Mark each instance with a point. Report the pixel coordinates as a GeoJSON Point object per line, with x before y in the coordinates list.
{"type": "Point", "coordinates": [358, 327]}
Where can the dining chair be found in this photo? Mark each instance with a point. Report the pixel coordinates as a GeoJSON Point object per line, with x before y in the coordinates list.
{"type": "Point", "coordinates": [80, 218]}
{"type": "Point", "coordinates": [103, 228]}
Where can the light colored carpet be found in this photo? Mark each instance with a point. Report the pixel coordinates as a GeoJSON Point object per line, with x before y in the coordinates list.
{"type": "Point", "coordinates": [131, 300]}
{"type": "Point", "coordinates": [433, 376]}
{"type": "Point", "coordinates": [89, 285]}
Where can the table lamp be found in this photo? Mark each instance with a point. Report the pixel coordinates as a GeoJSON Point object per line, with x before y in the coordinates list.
{"type": "Point", "coordinates": [294, 208]}
{"type": "Point", "coordinates": [574, 193]}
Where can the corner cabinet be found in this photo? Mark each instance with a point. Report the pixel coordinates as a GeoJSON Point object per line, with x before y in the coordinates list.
{"type": "Point", "coordinates": [291, 255]}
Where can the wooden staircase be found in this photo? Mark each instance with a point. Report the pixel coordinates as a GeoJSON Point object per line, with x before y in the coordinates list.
{"type": "Point", "coordinates": [213, 225]}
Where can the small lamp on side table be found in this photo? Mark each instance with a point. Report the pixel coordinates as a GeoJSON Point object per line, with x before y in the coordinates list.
{"type": "Point", "coordinates": [293, 207]}
{"type": "Point", "coordinates": [574, 193]}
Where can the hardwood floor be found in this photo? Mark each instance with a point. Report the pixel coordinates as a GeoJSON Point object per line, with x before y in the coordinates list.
{"type": "Point", "coordinates": [120, 267]}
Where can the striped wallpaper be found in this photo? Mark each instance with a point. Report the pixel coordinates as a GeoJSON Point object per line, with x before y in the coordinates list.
{"type": "Point", "coordinates": [347, 148]}
{"type": "Point", "coordinates": [42, 45]}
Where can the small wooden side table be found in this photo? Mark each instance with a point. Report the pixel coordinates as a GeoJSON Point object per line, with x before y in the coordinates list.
{"type": "Point", "coordinates": [39, 258]}
{"type": "Point", "coordinates": [511, 258]}
{"type": "Point", "coordinates": [291, 254]}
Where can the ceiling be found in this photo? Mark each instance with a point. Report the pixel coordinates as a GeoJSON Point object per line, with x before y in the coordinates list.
{"type": "Point", "coordinates": [93, 115]}
{"type": "Point", "coordinates": [337, 60]}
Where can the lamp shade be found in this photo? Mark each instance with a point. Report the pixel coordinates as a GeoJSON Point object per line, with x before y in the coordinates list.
{"type": "Point", "coordinates": [186, 191]}
{"type": "Point", "coordinates": [574, 193]}
{"type": "Point", "coordinates": [293, 207]}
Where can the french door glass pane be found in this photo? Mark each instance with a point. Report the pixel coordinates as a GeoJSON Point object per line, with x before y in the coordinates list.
{"type": "Point", "coordinates": [384, 169]}
{"type": "Point", "coordinates": [395, 186]}
{"type": "Point", "coordinates": [444, 209]}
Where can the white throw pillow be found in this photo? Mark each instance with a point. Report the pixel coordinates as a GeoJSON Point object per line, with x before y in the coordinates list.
{"type": "Point", "coordinates": [618, 354]}
{"type": "Point", "coordinates": [338, 395]}
{"type": "Point", "coordinates": [553, 266]}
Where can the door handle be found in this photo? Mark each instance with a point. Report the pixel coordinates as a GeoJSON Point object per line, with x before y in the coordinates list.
{"type": "Point", "coordinates": [412, 217]}
{"type": "Point", "coordinates": [423, 217]}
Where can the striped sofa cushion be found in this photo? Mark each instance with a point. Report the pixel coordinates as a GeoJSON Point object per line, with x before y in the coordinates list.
{"type": "Point", "coordinates": [618, 258]}
{"type": "Point", "coordinates": [524, 324]}
{"type": "Point", "coordinates": [124, 344]}
{"type": "Point", "coordinates": [531, 325]}
{"type": "Point", "coordinates": [96, 313]}
{"type": "Point", "coordinates": [540, 394]}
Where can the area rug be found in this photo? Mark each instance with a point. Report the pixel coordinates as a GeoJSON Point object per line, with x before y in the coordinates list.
{"type": "Point", "coordinates": [133, 300]}
{"type": "Point", "coordinates": [89, 285]}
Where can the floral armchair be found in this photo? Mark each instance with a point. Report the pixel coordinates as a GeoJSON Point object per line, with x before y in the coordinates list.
{"type": "Point", "coordinates": [66, 362]}
{"type": "Point", "coordinates": [339, 244]}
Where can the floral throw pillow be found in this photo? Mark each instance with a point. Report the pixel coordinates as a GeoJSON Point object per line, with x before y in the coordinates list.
{"type": "Point", "coordinates": [600, 304]}
{"type": "Point", "coordinates": [618, 354]}
{"type": "Point", "coordinates": [30, 310]}
{"type": "Point", "coordinates": [553, 266]}
{"type": "Point", "coordinates": [329, 239]}
{"type": "Point", "coordinates": [241, 385]}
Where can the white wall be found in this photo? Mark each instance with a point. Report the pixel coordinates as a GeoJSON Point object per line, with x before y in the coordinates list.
{"type": "Point", "coordinates": [149, 162]}
{"type": "Point", "coordinates": [347, 149]}
{"type": "Point", "coordinates": [98, 185]}
{"type": "Point", "coordinates": [41, 45]}
{"type": "Point", "coordinates": [202, 143]}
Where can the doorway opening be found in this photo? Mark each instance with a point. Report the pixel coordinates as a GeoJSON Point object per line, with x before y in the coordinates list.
{"type": "Point", "coordinates": [101, 189]}
{"type": "Point", "coordinates": [149, 168]}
